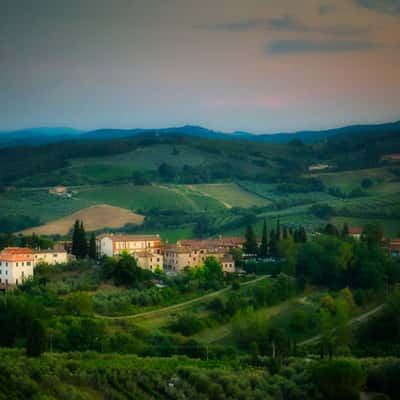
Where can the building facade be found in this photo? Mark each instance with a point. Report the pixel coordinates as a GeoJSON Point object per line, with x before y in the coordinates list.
{"type": "Point", "coordinates": [147, 249]}
{"type": "Point", "coordinates": [355, 232]}
{"type": "Point", "coordinates": [393, 247]}
{"type": "Point", "coordinates": [50, 257]}
{"type": "Point", "coordinates": [192, 253]}
{"type": "Point", "coordinates": [16, 265]}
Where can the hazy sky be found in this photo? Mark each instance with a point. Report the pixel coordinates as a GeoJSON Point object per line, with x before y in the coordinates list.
{"type": "Point", "coordinates": [257, 65]}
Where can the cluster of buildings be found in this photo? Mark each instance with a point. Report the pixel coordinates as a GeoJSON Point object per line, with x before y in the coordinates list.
{"type": "Point", "coordinates": [18, 263]}
{"type": "Point", "coordinates": [151, 253]}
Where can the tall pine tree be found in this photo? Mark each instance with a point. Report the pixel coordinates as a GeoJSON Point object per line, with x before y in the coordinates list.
{"type": "Point", "coordinates": [263, 252]}
{"type": "Point", "coordinates": [285, 233]}
{"type": "Point", "coordinates": [278, 229]}
{"type": "Point", "coordinates": [83, 246]}
{"type": "Point", "coordinates": [250, 244]}
{"type": "Point", "coordinates": [345, 231]}
{"type": "Point", "coordinates": [75, 239]}
{"type": "Point", "coordinates": [92, 247]}
{"type": "Point", "coordinates": [273, 244]}
{"type": "Point", "coordinates": [302, 235]}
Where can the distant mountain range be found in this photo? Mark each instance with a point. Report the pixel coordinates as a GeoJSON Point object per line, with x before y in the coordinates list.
{"type": "Point", "coordinates": [37, 136]}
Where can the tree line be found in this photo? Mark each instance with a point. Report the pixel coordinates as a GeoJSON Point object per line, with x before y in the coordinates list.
{"type": "Point", "coordinates": [81, 247]}
{"type": "Point", "coordinates": [269, 244]}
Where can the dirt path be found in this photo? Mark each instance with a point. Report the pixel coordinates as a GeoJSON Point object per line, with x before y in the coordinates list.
{"type": "Point", "coordinates": [195, 190]}
{"type": "Point", "coordinates": [353, 321]}
{"type": "Point", "coordinates": [220, 332]}
{"type": "Point", "coordinates": [181, 193]}
{"type": "Point", "coordinates": [179, 306]}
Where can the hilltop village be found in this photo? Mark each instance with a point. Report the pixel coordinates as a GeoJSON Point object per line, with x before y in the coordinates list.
{"type": "Point", "coordinates": [150, 253]}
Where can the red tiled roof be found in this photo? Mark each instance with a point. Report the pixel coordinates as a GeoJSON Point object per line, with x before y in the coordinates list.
{"type": "Point", "coordinates": [16, 254]}
{"type": "Point", "coordinates": [356, 230]}
{"type": "Point", "coordinates": [229, 241]}
{"type": "Point", "coordinates": [126, 238]}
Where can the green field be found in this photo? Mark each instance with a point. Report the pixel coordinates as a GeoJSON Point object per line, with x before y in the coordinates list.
{"type": "Point", "coordinates": [158, 319]}
{"type": "Point", "coordinates": [39, 203]}
{"type": "Point", "coordinates": [222, 333]}
{"type": "Point", "coordinates": [209, 197]}
{"type": "Point", "coordinates": [349, 180]}
{"type": "Point", "coordinates": [148, 158]}
{"type": "Point", "coordinates": [230, 194]}
{"type": "Point", "coordinates": [146, 197]}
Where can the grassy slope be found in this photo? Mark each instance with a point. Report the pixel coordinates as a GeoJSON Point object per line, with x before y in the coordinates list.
{"type": "Point", "coordinates": [146, 158]}
{"type": "Point", "coordinates": [349, 180]}
{"type": "Point", "coordinates": [230, 194]}
{"type": "Point", "coordinates": [222, 332]}
{"type": "Point", "coordinates": [95, 217]}
{"type": "Point", "coordinates": [39, 203]}
{"type": "Point", "coordinates": [146, 197]}
{"type": "Point", "coordinates": [207, 197]}
{"type": "Point", "coordinates": [156, 319]}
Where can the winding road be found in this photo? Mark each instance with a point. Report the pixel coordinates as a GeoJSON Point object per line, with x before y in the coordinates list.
{"type": "Point", "coordinates": [179, 306]}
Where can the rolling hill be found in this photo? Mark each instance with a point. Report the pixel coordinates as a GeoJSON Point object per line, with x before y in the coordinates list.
{"type": "Point", "coordinates": [95, 217]}
{"type": "Point", "coordinates": [188, 186]}
{"type": "Point", "coordinates": [37, 136]}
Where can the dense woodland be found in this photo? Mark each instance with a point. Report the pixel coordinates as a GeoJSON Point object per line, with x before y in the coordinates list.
{"type": "Point", "coordinates": [280, 162]}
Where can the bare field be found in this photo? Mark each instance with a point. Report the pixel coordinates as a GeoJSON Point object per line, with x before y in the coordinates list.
{"type": "Point", "coordinates": [94, 217]}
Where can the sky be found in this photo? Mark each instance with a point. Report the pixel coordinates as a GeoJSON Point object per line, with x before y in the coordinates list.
{"type": "Point", "coordinates": [250, 65]}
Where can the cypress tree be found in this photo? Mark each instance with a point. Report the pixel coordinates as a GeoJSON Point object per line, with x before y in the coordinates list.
{"type": "Point", "coordinates": [36, 340]}
{"type": "Point", "coordinates": [285, 233]}
{"type": "Point", "coordinates": [83, 246]}
{"type": "Point", "coordinates": [250, 244]}
{"type": "Point", "coordinates": [296, 236]}
{"type": "Point", "coordinates": [92, 247]}
{"type": "Point", "coordinates": [273, 250]}
{"type": "Point", "coordinates": [302, 235]}
{"type": "Point", "coordinates": [345, 230]}
{"type": "Point", "coordinates": [75, 239]}
{"type": "Point", "coordinates": [278, 230]}
{"type": "Point", "coordinates": [264, 241]}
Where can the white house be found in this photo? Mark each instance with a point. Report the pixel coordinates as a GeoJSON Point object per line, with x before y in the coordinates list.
{"type": "Point", "coordinates": [16, 265]}
{"type": "Point", "coordinates": [147, 249]}
{"type": "Point", "coordinates": [50, 257]}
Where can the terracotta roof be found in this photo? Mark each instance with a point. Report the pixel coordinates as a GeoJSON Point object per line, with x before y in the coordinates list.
{"type": "Point", "coordinates": [356, 230]}
{"type": "Point", "coordinates": [228, 241]}
{"type": "Point", "coordinates": [16, 254]}
{"type": "Point", "coordinates": [48, 251]}
{"type": "Point", "coordinates": [227, 258]}
{"type": "Point", "coordinates": [177, 248]}
{"type": "Point", "coordinates": [127, 238]}
{"type": "Point", "coordinates": [394, 242]}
